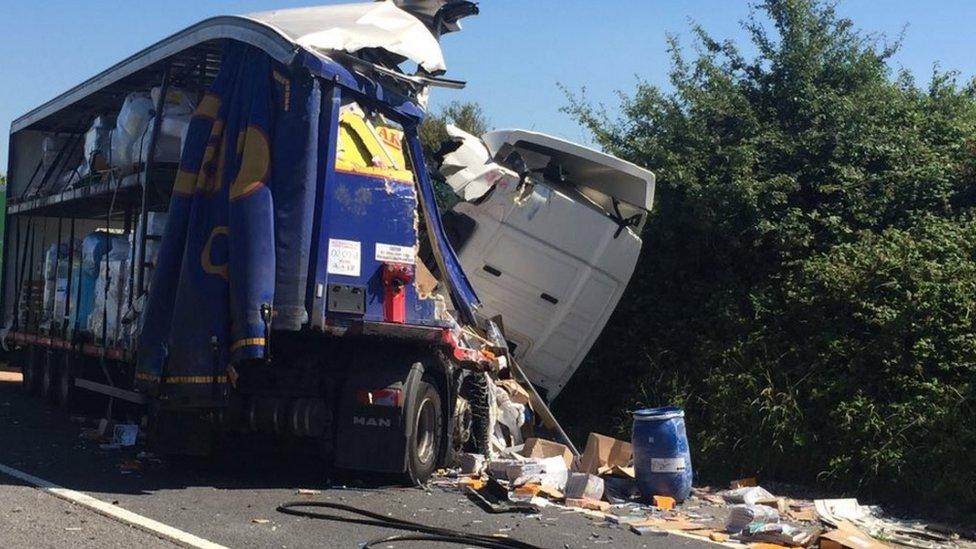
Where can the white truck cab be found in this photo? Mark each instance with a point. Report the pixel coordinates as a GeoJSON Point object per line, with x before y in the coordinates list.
{"type": "Point", "coordinates": [548, 232]}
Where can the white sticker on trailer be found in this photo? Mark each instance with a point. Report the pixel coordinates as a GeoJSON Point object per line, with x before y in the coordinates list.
{"type": "Point", "coordinates": [345, 257]}
{"type": "Point", "coordinates": [667, 465]}
{"type": "Point", "coordinates": [395, 254]}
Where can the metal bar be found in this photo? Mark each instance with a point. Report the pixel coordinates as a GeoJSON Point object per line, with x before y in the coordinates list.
{"type": "Point", "coordinates": [328, 129]}
{"type": "Point", "coordinates": [30, 182]}
{"type": "Point", "coordinates": [19, 278]}
{"type": "Point", "coordinates": [539, 406]}
{"type": "Point", "coordinates": [132, 254]}
{"type": "Point", "coordinates": [67, 292]}
{"type": "Point", "coordinates": [30, 276]}
{"type": "Point", "coordinates": [108, 281]}
{"type": "Point", "coordinates": [74, 325]}
{"type": "Point", "coordinates": [57, 267]}
{"type": "Point", "coordinates": [114, 392]}
{"type": "Point", "coordinates": [9, 232]}
{"type": "Point", "coordinates": [147, 169]}
{"type": "Point", "coordinates": [60, 158]}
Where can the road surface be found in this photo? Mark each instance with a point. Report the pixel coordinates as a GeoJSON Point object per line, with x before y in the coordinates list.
{"type": "Point", "coordinates": [230, 501]}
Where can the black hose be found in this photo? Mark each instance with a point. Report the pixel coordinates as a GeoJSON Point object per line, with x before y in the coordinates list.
{"type": "Point", "coordinates": [424, 532]}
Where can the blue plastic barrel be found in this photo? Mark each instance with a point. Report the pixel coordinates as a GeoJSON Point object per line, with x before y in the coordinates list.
{"type": "Point", "coordinates": [661, 456]}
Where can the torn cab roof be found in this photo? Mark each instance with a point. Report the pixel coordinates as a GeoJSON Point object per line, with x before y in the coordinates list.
{"type": "Point", "coordinates": [584, 167]}
{"type": "Point", "coordinates": [354, 27]}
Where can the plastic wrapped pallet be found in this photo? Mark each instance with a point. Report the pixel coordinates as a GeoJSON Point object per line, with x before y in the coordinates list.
{"type": "Point", "coordinates": [130, 127]}
{"type": "Point", "coordinates": [98, 146]}
{"type": "Point", "coordinates": [130, 139]}
{"type": "Point", "coordinates": [108, 308]}
{"type": "Point", "coordinates": [55, 162]}
{"type": "Point", "coordinates": [69, 265]}
{"type": "Point", "coordinates": [109, 297]}
{"type": "Point", "coordinates": [49, 271]}
{"type": "Point", "coordinates": [55, 273]}
{"type": "Point", "coordinates": [93, 250]}
{"type": "Point", "coordinates": [176, 120]}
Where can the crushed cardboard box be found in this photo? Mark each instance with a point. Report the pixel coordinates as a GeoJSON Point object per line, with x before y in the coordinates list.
{"type": "Point", "coordinates": [541, 448]}
{"type": "Point", "coordinates": [603, 454]}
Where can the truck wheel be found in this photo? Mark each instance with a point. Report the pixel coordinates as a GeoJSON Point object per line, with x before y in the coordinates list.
{"type": "Point", "coordinates": [66, 390]}
{"type": "Point", "coordinates": [49, 374]}
{"type": "Point", "coordinates": [30, 369]}
{"type": "Point", "coordinates": [426, 441]}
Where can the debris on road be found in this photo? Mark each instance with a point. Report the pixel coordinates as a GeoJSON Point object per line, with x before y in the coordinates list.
{"type": "Point", "coordinates": [601, 486]}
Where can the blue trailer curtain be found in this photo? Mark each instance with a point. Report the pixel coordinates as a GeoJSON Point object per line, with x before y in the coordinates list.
{"type": "Point", "coordinates": [239, 223]}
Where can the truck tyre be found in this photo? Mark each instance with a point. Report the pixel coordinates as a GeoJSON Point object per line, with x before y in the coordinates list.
{"type": "Point", "coordinates": [66, 391]}
{"type": "Point", "coordinates": [49, 374]}
{"type": "Point", "coordinates": [30, 368]}
{"type": "Point", "coordinates": [426, 441]}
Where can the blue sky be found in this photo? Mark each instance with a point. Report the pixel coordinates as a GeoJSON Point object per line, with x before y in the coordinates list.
{"type": "Point", "coordinates": [514, 55]}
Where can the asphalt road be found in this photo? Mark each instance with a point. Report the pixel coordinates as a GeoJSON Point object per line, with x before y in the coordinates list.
{"type": "Point", "coordinates": [232, 501]}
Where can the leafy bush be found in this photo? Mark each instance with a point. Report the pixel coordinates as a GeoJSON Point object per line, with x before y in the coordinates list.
{"type": "Point", "coordinates": [807, 286]}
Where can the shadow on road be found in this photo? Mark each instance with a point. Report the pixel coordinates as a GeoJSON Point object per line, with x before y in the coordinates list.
{"type": "Point", "coordinates": [40, 439]}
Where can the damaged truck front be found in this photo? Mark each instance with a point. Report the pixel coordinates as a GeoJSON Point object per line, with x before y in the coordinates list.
{"type": "Point", "coordinates": [235, 230]}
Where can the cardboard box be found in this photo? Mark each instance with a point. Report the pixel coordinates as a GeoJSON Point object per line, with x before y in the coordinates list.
{"type": "Point", "coordinates": [516, 392]}
{"type": "Point", "coordinates": [743, 483]}
{"type": "Point", "coordinates": [591, 504]}
{"type": "Point", "coordinates": [848, 538]}
{"type": "Point", "coordinates": [603, 453]}
{"type": "Point", "coordinates": [584, 485]}
{"type": "Point", "coordinates": [541, 448]}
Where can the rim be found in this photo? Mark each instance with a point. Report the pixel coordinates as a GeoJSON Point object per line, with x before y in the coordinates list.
{"type": "Point", "coordinates": [47, 380]}
{"type": "Point", "coordinates": [27, 370]}
{"type": "Point", "coordinates": [426, 422]}
{"type": "Point", "coordinates": [64, 382]}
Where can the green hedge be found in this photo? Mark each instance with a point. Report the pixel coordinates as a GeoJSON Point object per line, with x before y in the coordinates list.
{"type": "Point", "coordinates": [808, 283]}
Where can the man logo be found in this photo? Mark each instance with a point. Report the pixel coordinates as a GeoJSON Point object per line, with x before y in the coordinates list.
{"type": "Point", "coordinates": [371, 421]}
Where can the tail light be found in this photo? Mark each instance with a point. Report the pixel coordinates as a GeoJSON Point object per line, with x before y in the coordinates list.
{"type": "Point", "coordinates": [388, 396]}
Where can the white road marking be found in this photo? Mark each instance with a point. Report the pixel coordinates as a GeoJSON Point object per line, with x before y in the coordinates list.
{"type": "Point", "coordinates": [113, 511]}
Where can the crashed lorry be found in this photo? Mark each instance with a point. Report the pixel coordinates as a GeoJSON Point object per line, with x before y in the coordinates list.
{"type": "Point", "coordinates": [235, 232]}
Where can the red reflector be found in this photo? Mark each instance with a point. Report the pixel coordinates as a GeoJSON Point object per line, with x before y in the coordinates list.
{"type": "Point", "coordinates": [379, 397]}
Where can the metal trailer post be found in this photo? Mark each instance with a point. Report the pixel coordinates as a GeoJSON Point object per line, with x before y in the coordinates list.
{"type": "Point", "coordinates": [316, 297]}
{"type": "Point", "coordinates": [67, 292]}
{"type": "Point", "coordinates": [132, 254]}
{"type": "Point", "coordinates": [57, 267]}
{"type": "Point", "coordinates": [147, 169]}
{"type": "Point", "coordinates": [16, 219]}
{"type": "Point", "coordinates": [30, 272]}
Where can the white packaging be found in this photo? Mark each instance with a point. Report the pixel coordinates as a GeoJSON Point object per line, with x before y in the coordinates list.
{"type": "Point", "coordinates": [50, 282]}
{"type": "Point", "coordinates": [550, 472]}
{"type": "Point", "coordinates": [741, 516]}
{"type": "Point", "coordinates": [108, 307]}
{"type": "Point", "coordinates": [177, 113]}
{"type": "Point", "coordinates": [750, 495]}
{"type": "Point", "coordinates": [130, 127]}
{"type": "Point", "coordinates": [98, 145]}
{"type": "Point", "coordinates": [52, 156]}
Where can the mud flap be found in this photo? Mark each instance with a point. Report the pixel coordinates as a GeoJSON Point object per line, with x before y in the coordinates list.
{"type": "Point", "coordinates": [374, 437]}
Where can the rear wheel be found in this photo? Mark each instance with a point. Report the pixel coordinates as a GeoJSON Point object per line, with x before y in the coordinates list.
{"type": "Point", "coordinates": [66, 391]}
{"type": "Point", "coordinates": [49, 374]}
{"type": "Point", "coordinates": [426, 441]}
{"type": "Point", "coordinates": [30, 369]}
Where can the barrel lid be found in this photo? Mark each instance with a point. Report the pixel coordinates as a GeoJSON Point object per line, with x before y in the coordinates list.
{"type": "Point", "coordinates": [664, 412]}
